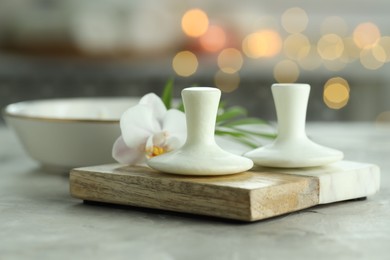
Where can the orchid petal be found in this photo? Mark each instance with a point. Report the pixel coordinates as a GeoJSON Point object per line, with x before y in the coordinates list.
{"type": "Point", "coordinates": [149, 143]}
{"type": "Point", "coordinates": [137, 124]}
{"type": "Point", "coordinates": [156, 104]}
{"type": "Point", "coordinates": [174, 143]}
{"type": "Point", "coordinates": [160, 139]}
{"type": "Point", "coordinates": [123, 154]}
{"type": "Point", "coordinates": [148, 129]}
{"type": "Point", "coordinates": [174, 122]}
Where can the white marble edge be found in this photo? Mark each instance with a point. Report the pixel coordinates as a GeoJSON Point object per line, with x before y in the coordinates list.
{"type": "Point", "coordinates": [343, 180]}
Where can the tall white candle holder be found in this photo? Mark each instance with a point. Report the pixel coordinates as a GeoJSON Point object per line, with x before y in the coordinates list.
{"type": "Point", "coordinates": [292, 148]}
{"type": "Point", "coordinates": [200, 155]}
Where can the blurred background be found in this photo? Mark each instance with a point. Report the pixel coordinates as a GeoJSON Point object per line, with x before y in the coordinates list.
{"type": "Point", "coordinates": [72, 48]}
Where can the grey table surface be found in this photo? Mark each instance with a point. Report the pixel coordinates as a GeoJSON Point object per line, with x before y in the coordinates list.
{"type": "Point", "coordinates": [40, 220]}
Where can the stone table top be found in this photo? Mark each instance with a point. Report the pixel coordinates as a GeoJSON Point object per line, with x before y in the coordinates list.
{"type": "Point", "coordinates": [40, 220]}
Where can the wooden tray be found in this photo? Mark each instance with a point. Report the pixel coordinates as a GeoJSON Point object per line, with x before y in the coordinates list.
{"type": "Point", "coordinates": [254, 195]}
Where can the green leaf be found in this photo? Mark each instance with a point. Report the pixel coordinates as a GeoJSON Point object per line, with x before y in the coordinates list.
{"type": "Point", "coordinates": [239, 137]}
{"type": "Point", "coordinates": [246, 121]}
{"type": "Point", "coordinates": [224, 132]}
{"type": "Point", "coordinates": [181, 107]}
{"type": "Point", "coordinates": [247, 143]}
{"type": "Point", "coordinates": [222, 105]}
{"type": "Point", "coordinates": [231, 113]}
{"type": "Point", "coordinates": [249, 132]}
{"type": "Point", "coordinates": [167, 94]}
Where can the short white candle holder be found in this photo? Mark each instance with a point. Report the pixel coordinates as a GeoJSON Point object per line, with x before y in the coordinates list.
{"type": "Point", "coordinates": [292, 148]}
{"type": "Point", "coordinates": [200, 155]}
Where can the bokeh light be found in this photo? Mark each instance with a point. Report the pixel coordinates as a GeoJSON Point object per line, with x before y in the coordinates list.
{"type": "Point", "coordinates": [385, 44]}
{"type": "Point", "coordinates": [366, 35]}
{"type": "Point", "coordinates": [311, 61]}
{"type": "Point", "coordinates": [230, 60]}
{"type": "Point", "coordinates": [295, 20]}
{"type": "Point", "coordinates": [351, 51]}
{"type": "Point", "coordinates": [379, 53]}
{"type": "Point", "coordinates": [195, 22]}
{"type": "Point", "coordinates": [369, 60]}
{"type": "Point", "coordinates": [214, 39]}
{"type": "Point", "coordinates": [336, 93]}
{"type": "Point", "coordinates": [286, 71]}
{"type": "Point", "coordinates": [227, 82]}
{"type": "Point", "coordinates": [330, 46]}
{"type": "Point", "coordinates": [264, 43]}
{"type": "Point", "coordinates": [296, 46]}
{"type": "Point", "coordinates": [185, 63]}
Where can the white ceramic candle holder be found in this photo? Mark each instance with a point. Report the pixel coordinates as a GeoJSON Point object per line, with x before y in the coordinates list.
{"type": "Point", "coordinates": [292, 148]}
{"type": "Point", "coordinates": [200, 155]}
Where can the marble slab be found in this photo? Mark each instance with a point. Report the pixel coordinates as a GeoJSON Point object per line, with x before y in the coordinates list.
{"type": "Point", "coordinates": [340, 181]}
{"type": "Point", "coordinates": [250, 196]}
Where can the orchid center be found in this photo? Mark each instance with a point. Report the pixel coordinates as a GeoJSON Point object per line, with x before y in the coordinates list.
{"type": "Point", "coordinates": [155, 151]}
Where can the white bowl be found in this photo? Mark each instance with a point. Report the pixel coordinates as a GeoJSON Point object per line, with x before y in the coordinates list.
{"type": "Point", "coordinates": [68, 133]}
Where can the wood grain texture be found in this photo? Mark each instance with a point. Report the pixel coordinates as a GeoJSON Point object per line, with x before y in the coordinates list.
{"type": "Point", "coordinates": [247, 196]}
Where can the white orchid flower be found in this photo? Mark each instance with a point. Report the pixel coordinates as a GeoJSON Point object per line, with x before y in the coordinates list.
{"type": "Point", "coordinates": [149, 129]}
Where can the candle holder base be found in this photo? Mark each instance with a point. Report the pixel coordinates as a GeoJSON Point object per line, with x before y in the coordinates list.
{"type": "Point", "coordinates": [205, 161]}
{"type": "Point", "coordinates": [294, 155]}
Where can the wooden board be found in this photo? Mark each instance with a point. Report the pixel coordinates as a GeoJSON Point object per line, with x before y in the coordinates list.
{"type": "Point", "coordinates": [254, 195]}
